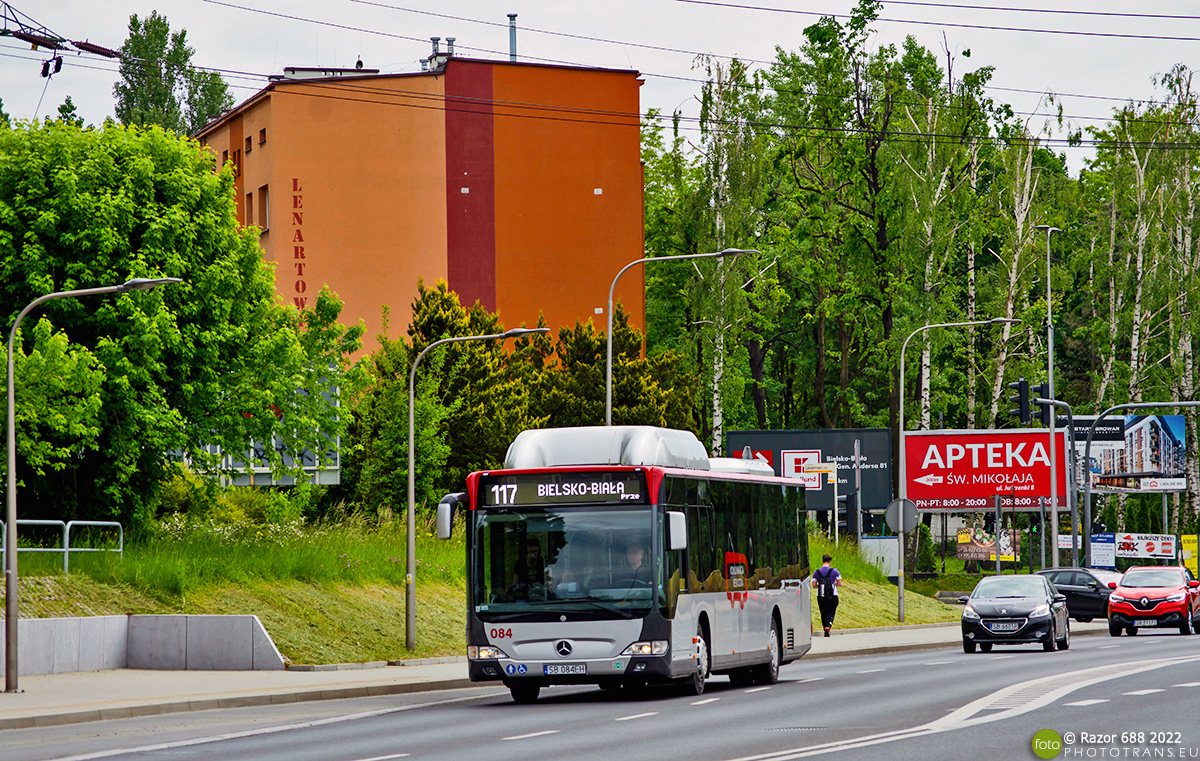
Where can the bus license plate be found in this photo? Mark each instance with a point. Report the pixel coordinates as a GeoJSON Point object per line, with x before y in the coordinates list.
{"type": "Point", "coordinates": [1145, 622]}
{"type": "Point", "coordinates": [565, 668]}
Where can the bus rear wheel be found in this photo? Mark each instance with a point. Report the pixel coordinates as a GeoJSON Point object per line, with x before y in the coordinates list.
{"type": "Point", "coordinates": [524, 693]}
{"type": "Point", "coordinates": [768, 673]}
{"type": "Point", "coordinates": [694, 684]}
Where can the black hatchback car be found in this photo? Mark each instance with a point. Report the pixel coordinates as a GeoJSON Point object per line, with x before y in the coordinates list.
{"type": "Point", "coordinates": [1015, 610]}
{"type": "Point", "coordinates": [1086, 590]}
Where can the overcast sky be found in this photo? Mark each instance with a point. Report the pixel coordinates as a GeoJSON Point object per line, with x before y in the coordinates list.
{"type": "Point", "coordinates": [250, 39]}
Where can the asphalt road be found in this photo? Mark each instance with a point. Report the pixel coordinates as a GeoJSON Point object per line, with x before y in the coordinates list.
{"type": "Point", "coordinates": [936, 704]}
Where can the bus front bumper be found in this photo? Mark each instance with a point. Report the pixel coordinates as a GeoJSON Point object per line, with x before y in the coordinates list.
{"type": "Point", "coordinates": [593, 671]}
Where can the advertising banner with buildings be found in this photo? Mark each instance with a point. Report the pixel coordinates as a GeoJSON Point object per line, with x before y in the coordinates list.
{"type": "Point", "coordinates": [788, 451]}
{"type": "Point", "coordinates": [966, 470]}
{"type": "Point", "coordinates": [1136, 453]}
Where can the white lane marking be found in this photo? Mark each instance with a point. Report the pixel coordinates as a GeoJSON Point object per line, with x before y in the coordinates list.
{"type": "Point", "coordinates": [706, 701]}
{"type": "Point", "coordinates": [637, 716]}
{"type": "Point", "coordinates": [1001, 657]}
{"type": "Point", "coordinates": [1084, 703]}
{"type": "Point", "coordinates": [1107, 647]}
{"type": "Point", "coordinates": [756, 689]}
{"type": "Point", "coordinates": [871, 671]}
{"type": "Point", "coordinates": [385, 758]}
{"type": "Point", "coordinates": [1059, 685]}
{"type": "Point", "coordinates": [1150, 691]}
{"type": "Point", "coordinates": [272, 730]}
{"type": "Point", "coordinates": [1187, 684]}
{"type": "Point", "coordinates": [810, 679]}
{"type": "Point", "coordinates": [938, 663]}
{"type": "Point", "coordinates": [524, 737]}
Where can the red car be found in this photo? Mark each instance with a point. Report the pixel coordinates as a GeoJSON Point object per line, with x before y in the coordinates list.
{"type": "Point", "coordinates": [1154, 596]}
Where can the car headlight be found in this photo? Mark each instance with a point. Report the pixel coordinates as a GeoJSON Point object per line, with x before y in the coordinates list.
{"type": "Point", "coordinates": [1177, 597]}
{"type": "Point", "coordinates": [657, 647]}
{"type": "Point", "coordinates": [969, 612]}
{"type": "Point", "coordinates": [1040, 611]}
{"type": "Point", "coordinates": [1114, 597]}
{"type": "Point", "coordinates": [484, 652]}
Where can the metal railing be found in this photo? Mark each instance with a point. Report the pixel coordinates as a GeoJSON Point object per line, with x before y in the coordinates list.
{"type": "Point", "coordinates": [66, 549]}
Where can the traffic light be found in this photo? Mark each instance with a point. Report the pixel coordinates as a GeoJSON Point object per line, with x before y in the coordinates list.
{"type": "Point", "coordinates": [1035, 523]}
{"type": "Point", "coordinates": [847, 516]}
{"type": "Point", "coordinates": [989, 523]}
{"type": "Point", "coordinates": [868, 522]}
{"type": "Point", "coordinates": [1044, 411]}
{"type": "Point", "coordinates": [1021, 399]}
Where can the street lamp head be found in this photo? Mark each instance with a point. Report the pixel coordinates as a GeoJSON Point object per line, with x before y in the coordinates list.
{"type": "Point", "coordinates": [146, 283]}
{"type": "Point", "coordinates": [736, 251]}
{"type": "Point", "coordinates": [1048, 228]}
{"type": "Point", "coordinates": [1003, 321]}
{"type": "Point", "coordinates": [518, 332]}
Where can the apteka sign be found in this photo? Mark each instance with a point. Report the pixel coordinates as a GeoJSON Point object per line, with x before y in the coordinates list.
{"type": "Point", "coordinates": [963, 470]}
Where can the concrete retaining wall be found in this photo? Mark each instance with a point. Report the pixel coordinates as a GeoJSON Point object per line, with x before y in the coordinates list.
{"type": "Point", "coordinates": [60, 645]}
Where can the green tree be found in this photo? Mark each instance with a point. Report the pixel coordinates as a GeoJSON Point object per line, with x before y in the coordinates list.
{"type": "Point", "coordinates": [68, 113]}
{"type": "Point", "coordinates": [159, 85]}
{"type": "Point", "coordinates": [215, 361]}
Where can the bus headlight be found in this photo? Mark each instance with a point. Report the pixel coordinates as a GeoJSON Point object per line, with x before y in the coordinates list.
{"type": "Point", "coordinates": [657, 647]}
{"type": "Point", "coordinates": [484, 652]}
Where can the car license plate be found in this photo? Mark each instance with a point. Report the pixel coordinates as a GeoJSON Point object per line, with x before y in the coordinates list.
{"type": "Point", "coordinates": [1004, 626]}
{"type": "Point", "coordinates": [1145, 622]}
{"type": "Point", "coordinates": [565, 668]}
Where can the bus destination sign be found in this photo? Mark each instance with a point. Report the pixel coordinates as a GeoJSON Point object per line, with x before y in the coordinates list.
{"type": "Point", "coordinates": [564, 488]}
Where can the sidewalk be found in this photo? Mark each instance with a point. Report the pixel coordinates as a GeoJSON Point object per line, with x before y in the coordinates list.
{"type": "Point", "coordinates": [55, 699]}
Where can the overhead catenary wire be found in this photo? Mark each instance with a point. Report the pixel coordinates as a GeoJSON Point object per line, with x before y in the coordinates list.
{"type": "Point", "coordinates": [1045, 140]}
{"type": "Point", "coordinates": [551, 112]}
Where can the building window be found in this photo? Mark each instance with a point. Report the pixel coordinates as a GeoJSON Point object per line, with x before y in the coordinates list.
{"type": "Point", "coordinates": [262, 136]}
{"type": "Point", "coordinates": [249, 209]}
{"type": "Point", "coordinates": [247, 145]}
{"type": "Point", "coordinates": [264, 208]}
{"type": "Point", "coordinates": [224, 158]}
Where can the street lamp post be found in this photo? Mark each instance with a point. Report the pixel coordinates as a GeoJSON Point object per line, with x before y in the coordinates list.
{"type": "Point", "coordinates": [611, 288]}
{"type": "Point", "coordinates": [410, 580]}
{"type": "Point", "coordinates": [10, 555]}
{"type": "Point", "coordinates": [903, 475]}
{"type": "Point", "coordinates": [1052, 413]}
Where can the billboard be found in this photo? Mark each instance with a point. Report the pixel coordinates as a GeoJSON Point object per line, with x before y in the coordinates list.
{"type": "Point", "coordinates": [1160, 546]}
{"type": "Point", "coordinates": [830, 446]}
{"type": "Point", "coordinates": [977, 544]}
{"type": "Point", "coordinates": [1136, 453]}
{"type": "Point", "coordinates": [966, 470]}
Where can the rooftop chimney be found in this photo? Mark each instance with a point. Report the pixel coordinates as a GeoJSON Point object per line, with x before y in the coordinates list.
{"type": "Point", "coordinates": [449, 46]}
{"type": "Point", "coordinates": [512, 37]}
{"type": "Point", "coordinates": [435, 41]}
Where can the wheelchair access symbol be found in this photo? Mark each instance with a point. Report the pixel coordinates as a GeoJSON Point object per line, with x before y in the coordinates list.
{"type": "Point", "coordinates": [513, 668]}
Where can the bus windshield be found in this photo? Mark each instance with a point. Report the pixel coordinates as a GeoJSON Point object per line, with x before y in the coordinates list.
{"type": "Point", "coordinates": [541, 560]}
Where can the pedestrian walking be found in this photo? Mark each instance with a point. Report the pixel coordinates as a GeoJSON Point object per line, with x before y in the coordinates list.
{"type": "Point", "coordinates": [826, 581]}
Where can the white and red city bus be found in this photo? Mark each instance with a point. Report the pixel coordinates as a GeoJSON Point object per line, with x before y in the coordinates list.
{"type": "Point", "coordinates": [624, 555]}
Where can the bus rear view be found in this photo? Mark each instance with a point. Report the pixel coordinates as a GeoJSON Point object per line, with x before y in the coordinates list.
{"type": "Point", "coordinates": [622, 556]}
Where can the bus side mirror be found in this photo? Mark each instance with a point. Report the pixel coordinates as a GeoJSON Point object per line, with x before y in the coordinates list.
{"type": "Point", "coordinates": [445, 513]}
{"type": "Point", "coordinates": [676, 530]}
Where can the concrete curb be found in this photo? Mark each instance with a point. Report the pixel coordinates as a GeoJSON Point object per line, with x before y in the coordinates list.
{"type": "Point", "coordinates": [237, 701]}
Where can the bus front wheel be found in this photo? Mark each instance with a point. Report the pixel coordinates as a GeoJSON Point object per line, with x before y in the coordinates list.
{"type": "Point", "coordinates": [694, 684]}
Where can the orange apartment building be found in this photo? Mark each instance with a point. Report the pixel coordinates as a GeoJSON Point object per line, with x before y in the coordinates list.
{"type": "Point", "coordinates": [519, 184]}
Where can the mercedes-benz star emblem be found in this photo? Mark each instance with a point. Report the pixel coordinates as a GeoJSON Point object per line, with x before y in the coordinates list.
{"type": "Point", "coordinates": [562, 647]}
